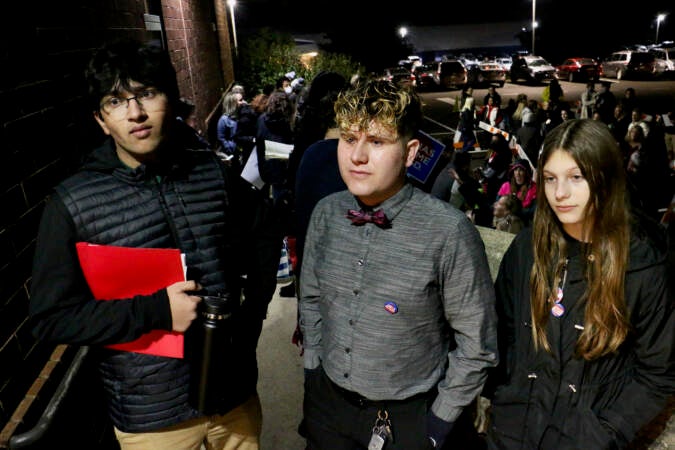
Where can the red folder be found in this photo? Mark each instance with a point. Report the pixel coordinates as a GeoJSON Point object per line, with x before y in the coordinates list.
{"type": "Point", "coordinates": [123, 272]}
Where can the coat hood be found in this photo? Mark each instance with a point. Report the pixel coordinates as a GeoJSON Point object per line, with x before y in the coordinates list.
{"type": "Point", "coordinates": [104, 159]}
{"type": "Point", "coordinates": [649, 244]}
{"type": "Point", "coordinates": [524, 164]}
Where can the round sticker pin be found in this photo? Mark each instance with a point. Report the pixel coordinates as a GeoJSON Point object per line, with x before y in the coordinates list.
{"type": "Point", "coordinates": [391, 307]}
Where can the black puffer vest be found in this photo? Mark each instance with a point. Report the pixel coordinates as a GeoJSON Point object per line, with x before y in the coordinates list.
{"type": "Point", "coordinates": [183, 205]}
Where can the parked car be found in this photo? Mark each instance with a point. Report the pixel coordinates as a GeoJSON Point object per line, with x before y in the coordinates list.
{"type": "Point", "coordinates": [468, 59]}
{"type": "Point", "coordinates": [505, 62]}
{"type": "Point", "coordinates": [425, 76]}
{"type": "Point", "coordinates": [625, 64]}
{"type": "Point", "coordinates": [664, 61]}
{"type": "Point", "coordinates": [532, 69]}
{"type": "Point", "coordinates": [399, 75]}
{"type": "Point", "coordinates": [450, 74]}
{"type": "Point", "coordinates": [487, 73]}
{"type": "Point", "coordinates": [579, 69]}
{"type": "Point", "coordinates": [410, 62]}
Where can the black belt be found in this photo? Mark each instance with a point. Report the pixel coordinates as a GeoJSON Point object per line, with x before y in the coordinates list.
{"type": "Point", "coordinates": [355, 398]}
{"type": "Point", "coordinates": [360, 401]}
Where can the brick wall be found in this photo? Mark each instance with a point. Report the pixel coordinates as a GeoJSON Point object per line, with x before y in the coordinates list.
{"type": "Point", "coordinates": [196, 44]}
{"type": "Point", "coordinates": [45, 130]}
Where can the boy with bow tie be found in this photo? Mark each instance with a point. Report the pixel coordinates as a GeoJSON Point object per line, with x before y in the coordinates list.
{"type": "Point", "coordinates": [396, 298]}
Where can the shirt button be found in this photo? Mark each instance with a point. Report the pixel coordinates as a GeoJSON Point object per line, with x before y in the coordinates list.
{"type": "Point", "coordinates": [359, 262]}
{"type": "Point", "coordinates": [351, 322]}
{"type": "Point", "coordinates": [346, 375]}
{"type": "Point", "coordinates": [356, 292]}
{"type": "Point", "coordinates": [347, 350]}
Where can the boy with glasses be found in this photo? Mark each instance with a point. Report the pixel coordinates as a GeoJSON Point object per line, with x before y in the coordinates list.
{"type": "Point", "coordinates": [143, 188]}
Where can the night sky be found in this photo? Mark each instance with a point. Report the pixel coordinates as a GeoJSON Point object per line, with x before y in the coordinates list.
{"type": "Point", "coordinates": [566, 27]}
{"type": "Point", "coordinates": [576, 20]}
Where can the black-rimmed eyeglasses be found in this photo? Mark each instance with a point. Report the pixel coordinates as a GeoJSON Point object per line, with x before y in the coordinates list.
{"type": "Point", "coordinates": [144, 98]}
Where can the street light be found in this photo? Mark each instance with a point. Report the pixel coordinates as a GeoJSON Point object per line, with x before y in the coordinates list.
{"type": "Point", "coordinates": [231, 4]}
{"type": "Point", "coordinates": [403, 31]}
{"type": "Point", "coordinates": [534, 21]}
{"type": "Point", "coordinates": [659, 19]}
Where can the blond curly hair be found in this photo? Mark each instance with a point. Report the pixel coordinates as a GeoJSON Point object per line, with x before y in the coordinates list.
{"type": "Point", "coordinates": [394, 107]}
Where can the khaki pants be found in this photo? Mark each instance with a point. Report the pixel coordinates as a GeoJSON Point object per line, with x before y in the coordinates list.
{"type": "Point", "coordinates": [238, 429]}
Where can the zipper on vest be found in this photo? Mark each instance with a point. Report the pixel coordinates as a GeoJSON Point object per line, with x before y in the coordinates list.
{"type": "Point", "coordinates": [166, 213]}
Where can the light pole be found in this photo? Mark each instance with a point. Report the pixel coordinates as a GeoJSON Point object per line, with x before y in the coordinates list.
{"type": "Point", "coordinates": [231, 4]}
{"type": "Point", "coordinates": [659, 19]}
{"type": "Point", "coordinates": [534, 21]}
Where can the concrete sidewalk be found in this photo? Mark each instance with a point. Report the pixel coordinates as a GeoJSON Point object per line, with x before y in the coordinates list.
{"type": "Point", "coordinates": [280, 383]}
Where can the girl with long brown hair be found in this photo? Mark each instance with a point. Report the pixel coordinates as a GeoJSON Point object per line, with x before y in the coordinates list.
{"type": "Point", "coordinates": [585, 308]}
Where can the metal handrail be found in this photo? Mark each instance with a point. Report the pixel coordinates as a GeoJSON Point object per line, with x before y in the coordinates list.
{"type": "Point", "coordinates": [30, 437]}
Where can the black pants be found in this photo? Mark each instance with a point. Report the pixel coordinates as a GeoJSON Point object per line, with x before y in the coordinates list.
{"type": "Point", "coordinates": [335, 420]}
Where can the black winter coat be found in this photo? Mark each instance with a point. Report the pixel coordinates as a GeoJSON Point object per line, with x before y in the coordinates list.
{"type": "Point", "coordinates": [558, 401]}
{"type": "Point", "coordinates": [185, 202]}
{"type": "Point", "coordinates": [272, 171]}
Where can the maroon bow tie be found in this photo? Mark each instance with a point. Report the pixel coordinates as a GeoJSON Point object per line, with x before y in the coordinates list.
{"type": "Point", "coordinates": [360, 217]}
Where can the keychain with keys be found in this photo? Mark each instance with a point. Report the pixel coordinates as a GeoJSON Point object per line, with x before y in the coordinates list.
{"type": "Point", "coordinates": [387, 429]}
{"type": "Point", "coordinates": [381, 431]}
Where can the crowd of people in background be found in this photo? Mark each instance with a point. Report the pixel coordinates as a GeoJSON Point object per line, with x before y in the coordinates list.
{"type": "Point", "coordinates": [646, 142]}
{"type": "Point", "coordinates": [648, 157]}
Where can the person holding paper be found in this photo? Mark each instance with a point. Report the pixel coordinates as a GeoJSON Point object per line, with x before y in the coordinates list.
{"type": "Point", "coordinates": [142, 190]}
{"type": "Point", "coordinates": [274, 142]}
{"type": "Point", "coordinates": [275, 125]}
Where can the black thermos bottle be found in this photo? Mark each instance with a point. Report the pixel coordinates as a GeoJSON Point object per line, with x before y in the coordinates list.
{"type": "Point", "coordinates": [210, 349]}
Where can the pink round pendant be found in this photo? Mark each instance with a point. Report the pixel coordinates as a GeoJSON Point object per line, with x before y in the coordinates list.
{"type": "Point", "coordinates": [558, 310]}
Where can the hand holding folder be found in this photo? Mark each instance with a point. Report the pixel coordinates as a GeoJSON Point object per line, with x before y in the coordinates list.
{"type": "Point", "coordinates": [123, 272]}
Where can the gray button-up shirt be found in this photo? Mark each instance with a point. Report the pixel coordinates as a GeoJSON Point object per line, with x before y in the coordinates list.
{"type": "Point", "coordinates": [380, 308]}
